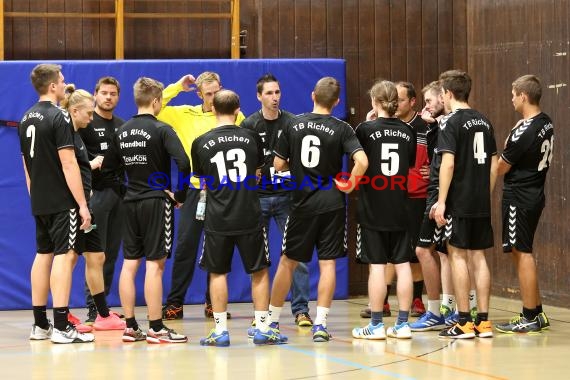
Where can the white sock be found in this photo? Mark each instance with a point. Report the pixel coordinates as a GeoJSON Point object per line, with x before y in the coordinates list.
{"type": "Point", "coordinates": [261, 320]}
{"type": "Point", "coordinates": [472, 299]}
{"type": "Point", "coordinates": [221, 320]}
{"type": "Point", "coordinates": [433, 307]}
{"type": "Point", "coordinates": [448, 300]}
{"type": "Point", "coordinates": [322, 313]}
{"type": "Point", "coordinates": [274, 313]}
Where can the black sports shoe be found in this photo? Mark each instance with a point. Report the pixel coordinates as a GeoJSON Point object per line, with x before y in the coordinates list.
{"type": "Point", "coordinates": [91, 315]}
{"type": "Point", "coordinates": [172, 311]}
{"type": "Point", "coordinates": [543, 321]}
{"type": "Point", "coordinates": [519, 324]}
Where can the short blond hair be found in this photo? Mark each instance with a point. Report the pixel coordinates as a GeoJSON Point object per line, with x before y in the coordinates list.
{"type": "Point", "coordinates": [207, 77]}
{"type": "Point", "coordinates": [74, 97]}
{"type": "Point", "coordinates": [146, 90]}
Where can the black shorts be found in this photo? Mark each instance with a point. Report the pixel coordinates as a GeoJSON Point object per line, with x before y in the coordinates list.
{"type": "Point", "coordinates": [325, 231]}
{"type": "Point", "coordinates": [57, 233]}
{"type": "Point", "coordinates": [431, 234]}
{"type": "Point", "coordinates": [88, 242]}
{"type": "Point", "coordinates": [382, 247]}
{"type": "Point", "coordinates": [519, 226]}
{"type": "Point", "coordinates": [468, 233]}
{"type": "Point", "coordinates": [416, 208]}
{"type": "Point", "coordinates": [218, 250]}
{"type": "Point", "coordinates": [148, 229]}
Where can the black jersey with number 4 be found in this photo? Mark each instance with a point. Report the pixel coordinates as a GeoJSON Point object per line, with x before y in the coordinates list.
{"type": "Point", "coordinates": [391, 149]}
{"type": "Point", "coordinates": [44, 129]}
{"type": "Point", "coordinates": [269, 131]}
{"type": "Point", "coordinates": [470, 137]}
{"type": "Point", "coordinates": [315, 145]}
{"type": "Point", "coordinates": [227, 158]}
{"type": "Point", "coordinates": [529, 151]}
{"type": "Point", "coordinates": [143, 148]}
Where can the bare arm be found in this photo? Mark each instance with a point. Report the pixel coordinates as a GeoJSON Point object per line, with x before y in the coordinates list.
{"type": "Point", "coordinates": [494, 173]}
{"type": "Point", "coordinates": [360, 165]}
{"type": "Point", "coordinates": [73, 179]}
{"type": "Point", "coordinates": [27, 175]}
{"type": "Point", "coordinates": [503, 167]}
{"type": "Point", "coordinates": [445, 177]}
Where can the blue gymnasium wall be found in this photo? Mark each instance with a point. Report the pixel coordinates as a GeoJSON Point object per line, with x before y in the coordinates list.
{"type": "Point", "coordinates": [17, 229]}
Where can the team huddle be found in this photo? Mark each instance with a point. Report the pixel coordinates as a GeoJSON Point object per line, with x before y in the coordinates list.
{"type": "Point", "coordinates": [424, 183]}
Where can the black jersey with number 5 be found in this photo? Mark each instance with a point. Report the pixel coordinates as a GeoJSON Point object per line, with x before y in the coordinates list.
{"type": "Point", "coordinates": [315, 145]}
{"type": "Point", "coordinates": [470, 137]}
{"type": "Point", "coordinates": [227, 158]}
{"type": "Point", "coordinates": [44, 129]}
{"type": "Point", "coordinates": [529, 151]}
{"type": "Point", "coordinates": [391, 149]}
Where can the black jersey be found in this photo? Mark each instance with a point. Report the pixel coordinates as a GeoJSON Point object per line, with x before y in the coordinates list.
{"type": "Point", "coordinates": [143, 148]}
{"type": "Point", "coordinates": [470, 137]}
{"type": "Point", "coordinates": [529, 151]}
{"type": "Point", "coordinates": [84, 164]}
{"type": "Point", "coordinates": [315, 145]}
{"type": "Point", "coordinates": [434, 159]}
{"type": "Point", "coordinates": [391, 149]}
{"type": "Point", "coordinates": [227, 158]}
{"type": "Point", "coordinates": [44, 129]}
{"type": "Point", "coordinates": [97, 138]}
{"type": "Point", "coordinates": [269, 130]}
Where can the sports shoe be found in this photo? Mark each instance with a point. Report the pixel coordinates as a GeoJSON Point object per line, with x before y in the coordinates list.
{"type": "Point", "coordinates": [452, 319]}
{"type": "Point", "coordinates": [71, 335]}
{"type": "Point", "coordinates": [401, 331]}
{"type": "Point", "coordinates": [445, 311]}
{"type": "Point", "coordinates": [165, 335]}
{"type": "Point", "coordinates": [473, 313]}
{"type": "Point", "coordinates": [367, 313]}
{"type": "Point", "coordinates": [121, 316]}
{"type": "Point", "coordinates": [209, 311]}
{"type": "Point", "coordinates": [251, 330]}
{"type": "Point", "coordinates": [543, 321]}
{"type": "Point", "coordinates": [132, 335]}
{"type": "Point", "coordinates": [91, 315]}
{"type": "Point", "coordinates": [370, 332]}
{"type": "Point", "coordinates": [172, 311]}
{"type": "Point", "coordinates": [112, 322]}
{"type": "Point", "coordinates": [218, 340]}
{"type": "Point", "coordinates": [418, 308]}
{"type": "Point", "coordinates": [38, 333]}
{"type": "Point", "coordinates": [320, 334]}
{"type": "Point", "coordinates": [428, 321]}
{"type": "Point", "coordinates": [303, 320]}
{"type": "Point", "coordinates": [457, 331]}
{"type": "Point", "coordinates": [275, 327]}
{"type": "Point", "coordinates": [519, 324]}
{"type": "Point", "coordinates": [77, 323]}
{"type": "Point", "coordinates": [272, 336]}
{"type": "Point", "coordinates": [484, 329]}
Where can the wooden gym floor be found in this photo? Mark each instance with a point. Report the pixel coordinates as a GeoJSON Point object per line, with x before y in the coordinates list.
{"type": "Point", "coordinates": [425, 356]}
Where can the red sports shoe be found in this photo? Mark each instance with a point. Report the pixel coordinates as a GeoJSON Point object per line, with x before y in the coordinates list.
{"type": "Point", "coordinates": [418, 308]}
{"type": "Point", "coordinates": [77, 323]}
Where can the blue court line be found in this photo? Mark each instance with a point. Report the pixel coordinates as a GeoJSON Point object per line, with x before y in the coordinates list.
{"type": "Point", "coordinates": [346, 362]}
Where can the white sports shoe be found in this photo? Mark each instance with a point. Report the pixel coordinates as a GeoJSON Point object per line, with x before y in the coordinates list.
{"type": "Point", "coordinates": [71, 335]}
{"type": "Point", "coordinates": [401, 331]}
{"type": "Point", "coordinates": [38, 333]}
{"type": "Point", "coordinates": [370, 332]}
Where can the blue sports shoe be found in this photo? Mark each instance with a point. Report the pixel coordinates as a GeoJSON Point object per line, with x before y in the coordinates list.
{"type": "Point", "coordinates": [320, 334]}
{"type": "Point", "coordinates": [428, 321]}
{"type": "Point", "coordinates": [251, 330]}
{"type": "Point", "coordinates": [218, 340]}
{"type": "Point", "coordinates": [271, 336]}
{"type": "Point", "coordinates": [452, 319]}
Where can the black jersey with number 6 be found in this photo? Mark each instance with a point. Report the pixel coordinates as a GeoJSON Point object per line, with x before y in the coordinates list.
{"type": "Point", "coordinates": [529, 151]}
{"type": "Point", "coordinates": [391, 149]}
{"type": "Point", "coordinates": [227, 158]}
{"type": "Point", "coordinates": [315, 145]}
{"type": "Point", "coordinates": [470, 137]}
{"type": "Point", "coordinates": [44, 129]}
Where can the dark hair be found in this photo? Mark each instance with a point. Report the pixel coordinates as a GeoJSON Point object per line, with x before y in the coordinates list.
{"type": "Point", "coordinates": [530, 85]}
{"type": "Point", "coordinates": [327, 92]}
{"type": "Point", "coordinates": [267, 78]}
{"type": "Point", "coordinates": [457, 82]}
{"type": "Point", "coordinates": [226, 102]}
{"type": "Point", "coordinates": [410, 89]}
{"type": "Point", "coordinates": [385, 94]}
{"type": "Point", "coordinates": [108, 80]}
{"type": "Point", "coordinates": [146, 90]}
{"type": "Point", "coordinates": [43, 75]}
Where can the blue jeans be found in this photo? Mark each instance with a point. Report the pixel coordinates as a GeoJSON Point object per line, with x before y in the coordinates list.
{"type": "Point", "coordinates": [278, 207]}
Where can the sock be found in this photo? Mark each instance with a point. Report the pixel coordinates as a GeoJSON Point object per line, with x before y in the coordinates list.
{"type": "Point", "coordinates": [221, 320]}
{"type": "Point", "coordinates": [376, 317]}
{"type": "Point", "coordinates": [464, 318]}
{"type": "Point", "coordinates": [448, 300]}
{"type": "Point", "coordinates": [322, 313]}
{"type": "Point", "coordinates": [433, 307]}
{"type": "Point", "coordinates": [481, 317]}
{"type": "Point", "coordinates": [132, 323]}
{"type": "Point", "coordinates": [388, 287]}
{"type": "Point", "coordinates": [539, 309]}
{"type": "Point", "coordinates": [261, 320]}
{"type": "Point", "coordinates": [101, 304]}
{"type": "Point", "coordinates": [60, 318]}
{"type": "Point", "coordinates": [156, 325]}
{"type": "Point", "coordinates": [274, 313]}
{"type": "Point", "coordinates": [472, 300]}
{"type": "Point", "coordinates": [418, 289]}
{"type": "Point", "coordinates": [402, 317]}
{"type": "Point", "coordinates": [529, 314]}
{"type": "Point", "coordinates": [40, 317]}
